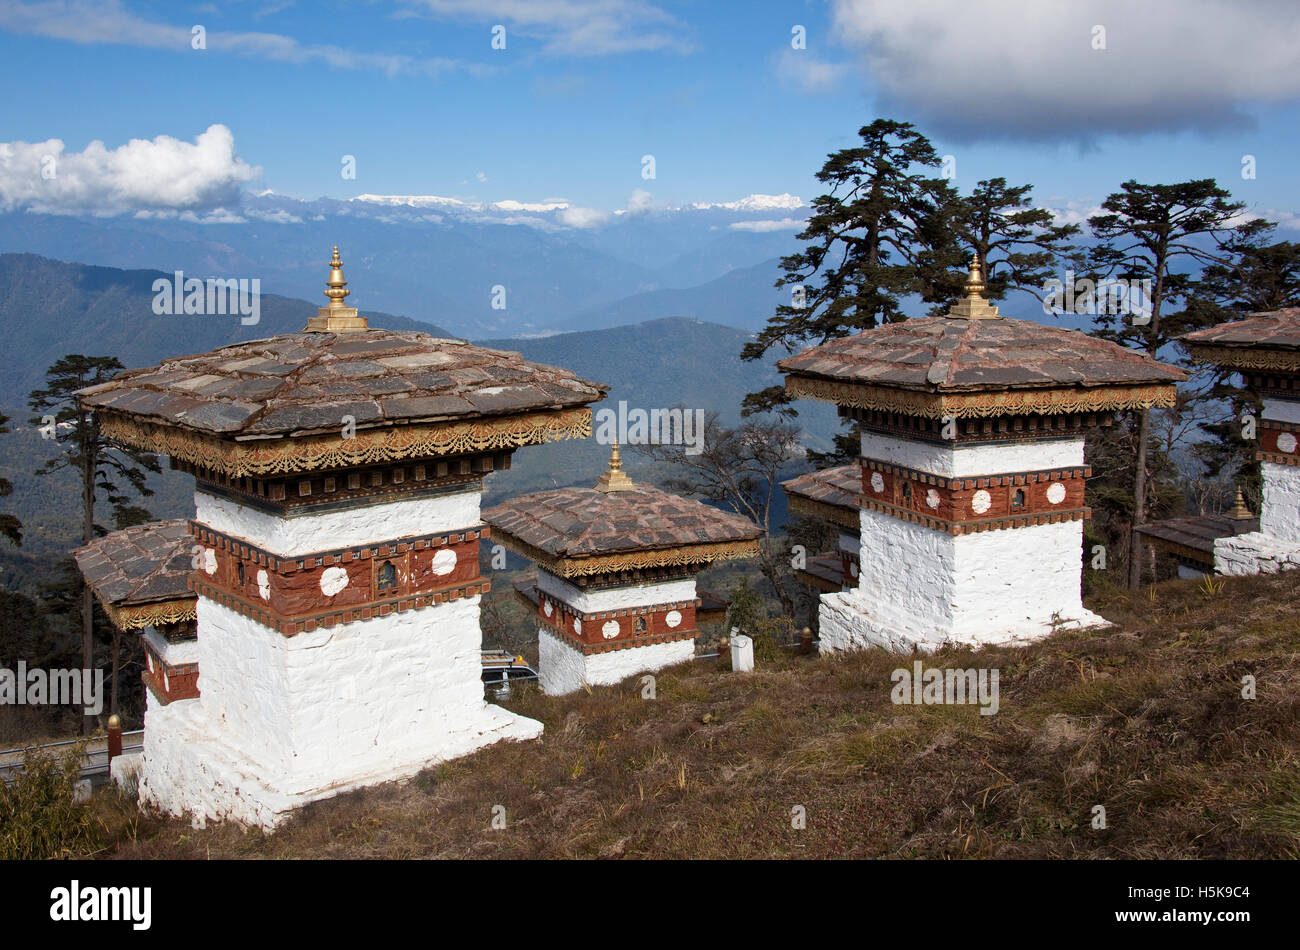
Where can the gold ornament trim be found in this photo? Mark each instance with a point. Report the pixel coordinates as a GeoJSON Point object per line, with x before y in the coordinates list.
{"type": "Point", "coordinates": [844, 516]}
{"type": "Point", "coordinates": [628, 561]}
{"type": "Point", "coordinates": [139, 616]}
{"type": "Point", "coordinates": [1245, 357]}
{"type": "Point", "coordinates": [256, 457]}
{"type": "Point", "coordinates": [979, 405]}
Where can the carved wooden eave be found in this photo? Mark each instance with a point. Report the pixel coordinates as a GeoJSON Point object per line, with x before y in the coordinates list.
{"type": "Point", "coordinates": [139, 616]}
{"type": "Point", "coordinates": [983, 404]}
{"type": "Point", "coordinates": [1245, 357]}
{"type": "Point", "coordinates": [849, 518]}
{"type": "Point", "coordinates": [692, 555]}
{"type": "Point", "coordinates": [315, 452]}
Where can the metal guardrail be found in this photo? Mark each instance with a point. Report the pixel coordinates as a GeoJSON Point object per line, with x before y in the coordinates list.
{"type": "Point", "coordinates": [95, 762]}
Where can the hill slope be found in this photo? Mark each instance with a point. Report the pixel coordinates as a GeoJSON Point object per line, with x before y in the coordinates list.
{"type": "Point", "coordinates": [51, 308]}
{"type": "Point", "coordinates": [1146, 719]}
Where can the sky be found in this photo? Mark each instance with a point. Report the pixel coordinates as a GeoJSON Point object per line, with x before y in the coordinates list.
{"type": "Point", "coordinates": [730, 98]}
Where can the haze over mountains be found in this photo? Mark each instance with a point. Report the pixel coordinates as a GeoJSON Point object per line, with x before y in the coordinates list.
{"type": "Point", "coordinates": [440, 260]}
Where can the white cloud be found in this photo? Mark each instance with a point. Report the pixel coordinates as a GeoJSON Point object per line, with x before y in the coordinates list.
{"type": "Point", "coordinates": [571, 27]}
{"type": "Point", "coordinates": [1011, 70]}
{"type": "Point", "coordinates": [510, 205]}
{"type": "Point", "coordinates": [784, 224]}
{"type": "Point", "coordinates": [480, 176]}
{"type": "Point", "coordinates": [163, 173]}
{"type": "Point", "coordinates": [109, 21]}
{"type": "Point", "coordinates": [582, 217]}
{"type": "Point", "coordinates": [640, 200]}
{"type": "Point", "coordinates": [1074, 212]}
{"type": "Point", "coordinates": [278, 216]}
{"type": "Point", "coordinates": [799, 68]}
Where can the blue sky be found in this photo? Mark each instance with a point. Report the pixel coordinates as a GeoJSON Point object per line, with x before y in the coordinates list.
{"type": "Point", "coordinates": [714, 91]}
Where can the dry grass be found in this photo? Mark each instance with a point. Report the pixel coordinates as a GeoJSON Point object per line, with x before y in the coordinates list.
{"type": "Point", "coordinates": [1146, 719]}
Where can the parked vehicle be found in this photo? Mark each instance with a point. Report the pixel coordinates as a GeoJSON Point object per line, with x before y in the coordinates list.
{"type": "Point", "coordinates": [501, 669]}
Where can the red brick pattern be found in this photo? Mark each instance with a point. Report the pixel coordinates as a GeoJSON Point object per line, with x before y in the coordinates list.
{"type": "Point", "coordinates": [299, 594]}
{"type": "Point", "coordinates": [1285, 453]}
{"type": "Point", "coordinates": [963, 505]}
{"type": "Point", "coordinates": [169, 682]}
{"type": "Point", "coordinates": [637, 626]}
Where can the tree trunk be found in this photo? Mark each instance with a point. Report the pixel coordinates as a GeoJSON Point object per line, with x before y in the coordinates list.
{"type": "Point", "coordinates": [1139, 502]}
{"type": "Point", "coordinates": [88, 466]}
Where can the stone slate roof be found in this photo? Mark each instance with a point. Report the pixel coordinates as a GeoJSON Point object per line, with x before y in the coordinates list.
{"type": "Point", "coordinates": [144, 564]}
{"type": "Point", "coordinates": [584, 522]}
{"type": "Point", "coordinates": [837, 486]}
{"type": "Point", "coordinates": [1279, 329]}
{"type": "Point", "coordinates": [1198, 533]}
{"type": "Point", "coordinates": [299, 383]}
{"type": "Point", "coordinates": [952, 354]}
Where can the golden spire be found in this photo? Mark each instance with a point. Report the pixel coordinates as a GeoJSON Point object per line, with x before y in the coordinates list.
{"type": "Point", "coordinates": [336, 317]}
{"type": "Point", "coordinates": [614, 478]}
{"type": "Point", "coordinates": [1239, 511]}
{"type": "Point", "coordinates": [973, 306]}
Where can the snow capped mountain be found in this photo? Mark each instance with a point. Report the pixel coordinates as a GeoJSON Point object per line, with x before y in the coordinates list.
{"type": "Point", "coordinates": [782, 202]}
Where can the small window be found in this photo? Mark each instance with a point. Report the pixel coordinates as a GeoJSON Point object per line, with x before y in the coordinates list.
{"type": "Point", "coordinates": [387, 576]}
{"type": "Point", "coordinates": [1018, 498]}
{"type": "Point", "coordinates": [907, 492]}
{"type": "Point", "coordinates": [639, 628]}
{"type": "Point", "coordinates": [239, 571]}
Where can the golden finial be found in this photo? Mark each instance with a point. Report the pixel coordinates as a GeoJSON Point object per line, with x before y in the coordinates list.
{"type": "Point", "coordinates": [336, 317]}
{"type": "Point", "coordinates": [1239, 511]}
{"type": "Point", "coordinates": [614, 478]}
{"type": "Point", "coordinates": [973, 306]}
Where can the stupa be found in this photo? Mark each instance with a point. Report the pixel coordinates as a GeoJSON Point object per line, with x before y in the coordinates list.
{"type": "Point", "coordinates": [617, 566]}
{"type": "Point", "coordinates": [973, 472]}
{"type": "Point", "coordinates": [830, 495]}
{"type": "Point", "coordinates": [1265, 349]}
{"type": "Point", "coordinates": [335, 552]}
{"type": "Point", "coordinates": [140, 575]}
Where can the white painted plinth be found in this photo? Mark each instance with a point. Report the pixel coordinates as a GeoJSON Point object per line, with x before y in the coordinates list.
{"type": "Point", "coordinates": [921, 588]}
{"type": "Point", "coordinates": [564, 669]}
{"type": "Point", "coordinates": [1276, 545]}
{"type": "Point", "coordinates": [282, 721]}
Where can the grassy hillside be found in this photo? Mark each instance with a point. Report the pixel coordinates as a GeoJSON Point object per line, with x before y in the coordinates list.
{"type": "Point", "coordinates": [1145, 719]}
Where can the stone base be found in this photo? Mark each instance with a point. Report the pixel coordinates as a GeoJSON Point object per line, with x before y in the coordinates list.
{"type": "Point", "coordinates": [187, 771]}
{"type": "Point", "coordinates": [1255, 553]}
{"type": "Point", "coordinates": [849, 622]}
{"type": "Point", "coordinates": [563, 669]}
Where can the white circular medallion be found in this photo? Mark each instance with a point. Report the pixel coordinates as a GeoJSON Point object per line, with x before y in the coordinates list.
{"type": "Point", "coordinates": [1286, 442]}
{"type": "Point", "coordinates": [853, 568]}
{"type": "Point", "coordinates": [333, 580]}
{"type": "Point", "coordinates": [672, 618]}
{"type": "Point", "coordinates": [444, 562]}
{"type": "Point", "coordinates": [1056, 493]}
{"type": "Point", "coordinates": [547, 608]}
{"type": "Point", "coordinates": [981, 502]}
{"type": "Point", "coordinates": [264, 585]}
{"type": "Point", "coordinates": [932, 498]}
{"type": "Point", "coordinates": [877, 482]}
{"type": "Point", "coordinates": [610, 630]}
{"type": "Point", "coordinates": [209, 561]}
{"type": "Point", "coordinates": [577, 626]}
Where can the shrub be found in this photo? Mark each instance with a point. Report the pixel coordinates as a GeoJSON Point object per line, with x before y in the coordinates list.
{"type": "Point", "coordinates": [39, 816]}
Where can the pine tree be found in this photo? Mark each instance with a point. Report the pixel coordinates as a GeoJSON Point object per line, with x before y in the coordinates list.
{"type": "Point", "coordinates": [1152, 233]}
{"type": "Point", "coordinates": [10, 527]}
{"type": "Point", "coordinates": [102, 464]}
